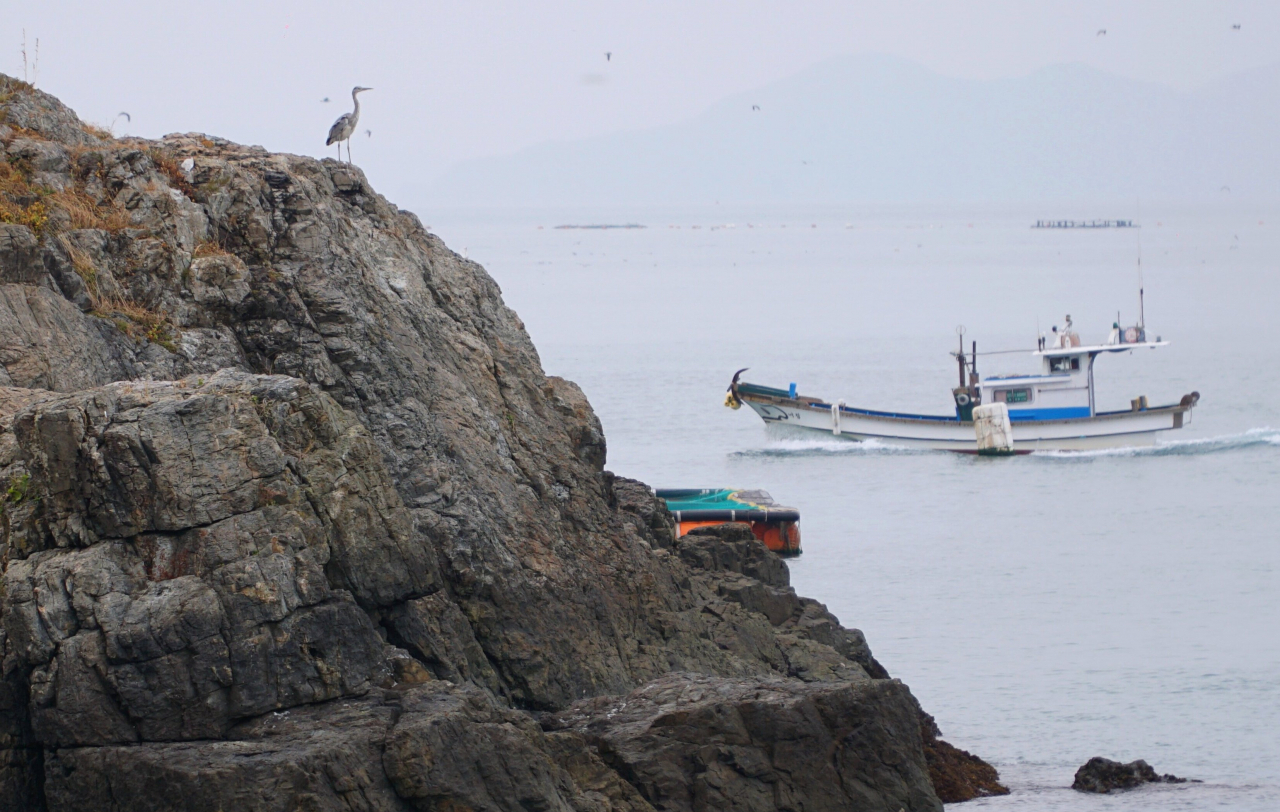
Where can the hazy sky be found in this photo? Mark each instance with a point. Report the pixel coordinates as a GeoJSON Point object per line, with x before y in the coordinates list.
{"type": "Point", "coordinates": [460, 80]}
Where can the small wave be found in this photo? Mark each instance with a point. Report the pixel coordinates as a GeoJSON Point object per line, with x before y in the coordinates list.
{"type": "Point", "coordinates": [1204, 445]}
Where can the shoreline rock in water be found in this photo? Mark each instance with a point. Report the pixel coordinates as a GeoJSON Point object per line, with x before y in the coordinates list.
{"type": "Point", "coordinates": [1102, 775]}
{"type": "Point", "coordinates": [291, 517]}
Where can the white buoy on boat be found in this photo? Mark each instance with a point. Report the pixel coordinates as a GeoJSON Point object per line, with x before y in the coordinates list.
{"type": "Point", "coordinates": [994, 430]}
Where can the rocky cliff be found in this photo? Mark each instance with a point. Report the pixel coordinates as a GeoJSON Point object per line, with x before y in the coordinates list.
{"type": "Point", "coordinates": [291, 518]}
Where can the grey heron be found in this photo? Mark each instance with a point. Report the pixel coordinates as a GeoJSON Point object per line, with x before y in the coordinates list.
{"type": "Point", "coordinates": [346, 125]}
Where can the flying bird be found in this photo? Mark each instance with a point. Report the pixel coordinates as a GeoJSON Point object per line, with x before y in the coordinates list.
{"type": "Point", "coordinates": [368, 133]}
{"type": "Point", "coordinates": [1235, 27]}
{"type": "Point", "coordinates": [127, 117]}
{"type": "Point", "coordinates": [325, 100]}
{"type": "Point", "coordinates": [608, 55]}
{"type": "Point", "coordinates": [1225, 189]}
{"type": "Point", "coordinates": [755, 107]}
{"type": "Point", "coordinates": [346, 125]}
{"type": "Point", "coordinates": [1102, 32]}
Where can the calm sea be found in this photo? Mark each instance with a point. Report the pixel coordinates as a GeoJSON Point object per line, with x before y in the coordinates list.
{"type": "Point", "coordinates": [1046, 608]}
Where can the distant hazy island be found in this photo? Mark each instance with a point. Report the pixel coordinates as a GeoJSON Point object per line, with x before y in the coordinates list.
{"type": "Point", "coordinates": [883, 129]}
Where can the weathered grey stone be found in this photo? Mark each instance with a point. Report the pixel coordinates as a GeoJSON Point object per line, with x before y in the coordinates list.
{"type": "Point", "coordinates": [39, 156]}
{"type": "Point", "coordinates": [435, 631]}
{"type": "Point", "coordinates": [219, 283]}
{"type": "Point", "coordinates": [732, 547]}
{"type": "Point", "coordinates": [436, 746]}
{"type": "Point", "coordinates": [690, 743]}
{"type": "Point", "coordinates": [1102, 775]}
{"type": "Point", "coordinates": [327, 762]}
{"type": "Point", "coordinates": [457, 749]}
{"type": "Point", "coordinates": [19, 255]}
{"type": "Point", "coordinates": [209, 514]}
{"type": "Point", "coordinates": [268, 477]}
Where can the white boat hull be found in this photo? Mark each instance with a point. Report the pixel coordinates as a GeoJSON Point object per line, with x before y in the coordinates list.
{"type": "Point", "coordinates": [1109, 430]}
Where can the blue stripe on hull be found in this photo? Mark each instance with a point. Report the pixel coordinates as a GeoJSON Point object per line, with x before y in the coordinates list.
{"type": "Point", "coordinates": [1066, 413]}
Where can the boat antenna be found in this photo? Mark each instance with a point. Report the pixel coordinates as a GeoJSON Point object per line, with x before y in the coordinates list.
{"type": "Point", "coordinates": [1142, 317]}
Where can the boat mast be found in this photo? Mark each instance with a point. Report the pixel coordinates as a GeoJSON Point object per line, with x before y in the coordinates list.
{"type": "Point", "coordinates": [1142, 318]}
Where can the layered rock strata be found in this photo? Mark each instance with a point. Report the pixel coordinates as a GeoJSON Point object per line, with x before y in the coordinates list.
{"type": "Point", "coordinates": [292, 518]}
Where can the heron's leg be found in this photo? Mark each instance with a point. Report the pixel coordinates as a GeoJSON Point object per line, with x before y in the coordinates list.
{"type": "Point", "coordinates": [348, 150]}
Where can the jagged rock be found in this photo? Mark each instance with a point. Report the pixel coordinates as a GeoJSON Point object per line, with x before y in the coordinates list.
{"type": "Point", "coordinates": [434, 746]}
{"type": "Point", "coordinates": [184, 585]}
{"type": "Point", "coordinates": [434, 631]}
{"type": "Point", "coordinates": [274, 452]}
{"type": "Point", "coordinates": [731, 547]}
{"type": "Point", "coordinates": [1102, 775]}
{"type": "Point", "coordinates": [19, 255]}
{"type": "Point", "coordinates": [957, 775]}
{"type": "Point", "coordinates": [689, 742]}
{"type": "Point", "coordinates": [36, 110]}
{"type": "Point", "coordinates": [639, 506]}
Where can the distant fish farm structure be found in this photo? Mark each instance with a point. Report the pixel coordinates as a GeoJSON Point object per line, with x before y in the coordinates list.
{"type": "Point", "coordinates": [1085, 224]}
{"type": "Point", "coordinates": [605, 225]}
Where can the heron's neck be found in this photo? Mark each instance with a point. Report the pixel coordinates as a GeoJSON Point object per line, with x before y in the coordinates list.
{"type": "Point", "coordinates": [355, 97]}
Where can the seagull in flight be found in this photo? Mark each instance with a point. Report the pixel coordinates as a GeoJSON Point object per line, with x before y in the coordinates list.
{"type": "Point", "coordinates": [608, 55]}
{"type": "Point", "coordinates": [755, 107]}
{"type": "Point", "coordinates": [368, 133]}
{"type": "Point", "coordinates": [1102, 32]}
{"type": "Point", "coordinates": [1236, 26]}
{"type": "Point", "coordinates": [325, 100]}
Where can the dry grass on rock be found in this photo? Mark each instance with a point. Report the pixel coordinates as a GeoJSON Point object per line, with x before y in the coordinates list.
{"type": "Point", "coordinates": [138, 321]}
{"type": "Point", "coordinates": [165, 163]}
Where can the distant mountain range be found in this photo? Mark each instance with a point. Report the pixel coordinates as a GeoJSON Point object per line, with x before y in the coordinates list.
{"type": "Point", "coordinates": [882, 129]}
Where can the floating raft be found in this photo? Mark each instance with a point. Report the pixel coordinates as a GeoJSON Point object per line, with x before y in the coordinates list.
{"type": "Point", "coordinates": [778, 526]}
{"type": "Point", "coordinates": [603, 225]}
{"type": "Point", "coordinates": [1085, 224]}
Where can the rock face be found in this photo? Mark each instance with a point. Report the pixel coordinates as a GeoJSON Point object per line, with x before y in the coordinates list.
{"type": "Point", "coordinates": [698, 743]}
{"type": "Point", "coordinates": [290, 517]}
{"type": "Point", "coordinates": [957, 775]}
{"type": "Point", "coordinates": [1102, 775]}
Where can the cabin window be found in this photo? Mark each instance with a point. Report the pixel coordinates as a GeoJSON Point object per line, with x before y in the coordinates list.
{"type": "Point", "coordinates": [1064, 364]}
{"type": "Point", "coordinates": [1012, 395]}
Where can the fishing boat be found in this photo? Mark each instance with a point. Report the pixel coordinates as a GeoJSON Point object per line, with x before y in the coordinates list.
{"type": "Point", "coordinates": [1051, 410]}
{"type": "Point", "coordinates": [778, 526]}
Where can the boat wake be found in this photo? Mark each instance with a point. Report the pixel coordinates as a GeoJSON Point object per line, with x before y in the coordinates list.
{"type": "Point", "coordinates": [824, 448]}
{"type": "Point", "coordinates": [1253, 438]}
{"type": "Point", "coordinates": [786, 447]}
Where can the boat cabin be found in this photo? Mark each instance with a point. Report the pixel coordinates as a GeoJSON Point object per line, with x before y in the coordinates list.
{"type": "Point", "coordinates": [1062, 390]}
